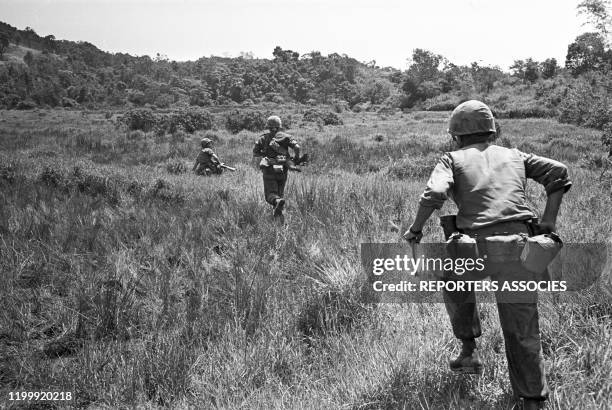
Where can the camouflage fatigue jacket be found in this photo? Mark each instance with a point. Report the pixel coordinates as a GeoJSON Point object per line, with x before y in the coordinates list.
{"type": "Point", "coordinates": [272, 146]}
{"type": "Point", "coordinates": [487, 182]}
{"type": "Point", "coordinates": [206, 159]}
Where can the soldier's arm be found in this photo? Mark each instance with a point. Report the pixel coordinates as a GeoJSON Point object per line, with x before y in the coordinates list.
{"type": "Point", "coordinates": [549, 218]}
{"type": "Point", "coordinates": [548, 172]}
{"type": "Point", "coordinates": [553, 175]}
{"type": "Point", "coordinates": [296, 149]}
{"type": "Point", "coordinates": [440, 182]}
{"type": "Point", "coordinates": [258, 149]}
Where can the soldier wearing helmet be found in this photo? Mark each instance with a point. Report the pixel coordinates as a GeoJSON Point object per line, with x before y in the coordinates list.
{"type": "Point", "coordinates": [273, 147]}
{"type": "Point", "coordinates": [207, 162]}
{"type": "Point", "coordinates": [487, 183]}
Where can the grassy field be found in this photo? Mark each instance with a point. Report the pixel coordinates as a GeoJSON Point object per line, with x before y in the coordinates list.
{"type": "Point", "coordinates": [133, 283]}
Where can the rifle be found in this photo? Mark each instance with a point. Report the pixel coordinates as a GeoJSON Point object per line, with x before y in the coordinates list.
{"type": "Point", "coordinates": [295, 161]}
{"type": "Point", "coordinates": [222, 165]}
{"type": "Point", "coordinates": [300, 160]}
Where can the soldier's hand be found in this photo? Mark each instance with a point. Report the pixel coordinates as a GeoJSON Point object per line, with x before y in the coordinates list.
{"type": "Point", "coordinates": [412, 237]}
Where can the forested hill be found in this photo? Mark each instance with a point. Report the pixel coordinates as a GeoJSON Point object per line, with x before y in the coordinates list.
{"type": "Point", "coordinates": [45, 71]}
{"type": "Point", "coordinates": [40, 71]}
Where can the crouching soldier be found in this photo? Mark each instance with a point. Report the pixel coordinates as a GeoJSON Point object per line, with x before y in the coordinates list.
{"type": "Point", "coordinates": [487, 183]}
{"type": "Point", "coordinates": [273, 147]}
{"type": "Point", "coordinates": [207, 162]}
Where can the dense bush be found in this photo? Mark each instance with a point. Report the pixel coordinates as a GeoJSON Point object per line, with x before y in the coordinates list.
{"type": "Point", "coordinates": [325, 117]}
{"type": "Point", "coordinates": [139, 119]}
{"type": "Point", "coordinates": [189, 120]}
{"type": "Point", "coordinates": [251, 120]}
{"type": "Point", "coordinates": [26, 105]}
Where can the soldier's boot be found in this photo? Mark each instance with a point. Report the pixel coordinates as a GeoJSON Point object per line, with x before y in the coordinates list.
{"type": "Point", "coordinates": [278, 207]}
{"type": "Point", "coordinates": [468, 361]}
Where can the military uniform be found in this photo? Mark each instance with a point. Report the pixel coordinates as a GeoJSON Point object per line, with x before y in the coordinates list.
{"type": "Point", "coordinates": [207, 163]}
{"type": "Point", "coordinates": [487, 183]}
{"type": "Point", "coordinates": [274, 148]}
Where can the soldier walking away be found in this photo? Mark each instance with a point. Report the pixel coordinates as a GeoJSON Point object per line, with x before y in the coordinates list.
{"type": "Point", "coordinates": [273, 148]}
{"type": "Point", "coordinates": [487, 183]}
{"type": "Point", "coordinates": [207, 162]}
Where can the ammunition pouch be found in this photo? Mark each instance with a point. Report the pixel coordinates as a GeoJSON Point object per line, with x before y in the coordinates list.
{"type": "Point", "coordinates": [535, 251]}
{"type": "Point", "coordinates": [504, 248]}
{"type": "Point", "coordinates": [539, 252]}
{"type": "Point", "coordinates": [278, 164]}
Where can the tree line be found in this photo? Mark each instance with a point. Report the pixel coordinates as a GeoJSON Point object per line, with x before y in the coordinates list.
{"type": "Point", "coordinates": [46, 72]}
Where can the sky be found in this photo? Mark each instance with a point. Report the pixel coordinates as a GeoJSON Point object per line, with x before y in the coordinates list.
{"type": "Point", "coordinates": [491, 32]}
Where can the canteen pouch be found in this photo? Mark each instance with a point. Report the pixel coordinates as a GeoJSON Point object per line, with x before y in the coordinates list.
{"type": "Point", "coordinates": [539, 252]}
{"type": "Point", "coordinates": [460, 245]}
{"type": "Point", "coordinates": [504, 248]}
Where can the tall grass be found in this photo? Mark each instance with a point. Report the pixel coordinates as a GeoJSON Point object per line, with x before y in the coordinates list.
{"type": "Point", "coordinates": [132, 285]}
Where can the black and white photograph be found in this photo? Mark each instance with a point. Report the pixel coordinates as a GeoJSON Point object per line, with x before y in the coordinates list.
{"type": "Point", "coordinates": [306, 204]}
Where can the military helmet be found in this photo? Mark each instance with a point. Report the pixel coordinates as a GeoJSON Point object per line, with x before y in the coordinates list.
{"type": "Point", "coordinates": [273, 121]}
{"type": "Point", "coordinates": [471, 117]}
{"type": "Point", "coordinates": [205, 142]}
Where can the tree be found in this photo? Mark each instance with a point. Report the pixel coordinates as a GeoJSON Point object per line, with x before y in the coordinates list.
{"type": "Point", "coordinates": [597, 13]}
{"type": "Point", "coordinates": [549, 68]}
{"type": "Point", "coordinates": [518, 69]}
{"type": "Point", "coordinates": [4, 43]}
{"type": "Point", "coordinates": [425, 65]}
{"type": "Point", "coordinates": [285, 55]}
{"type": "Point", "coordinates": [49, 43]}
{"type": "Point", "coordinates": [422, 76]}
{"type": "Point", "coordinates": [485, 77]}
{"type": "Point", "coordinates": [532, 70]}
{"type": "Point", "coordinates": [28, 58]}
{"type": "Point", "coordinates": [586, 53]}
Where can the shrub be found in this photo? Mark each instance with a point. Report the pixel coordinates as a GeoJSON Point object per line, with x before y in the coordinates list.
{"type": "Point", "coordinates": [69, 102]}
{"type": "Point", "coordinates": [51, 176]}
{"type": "Point", "coordinates": [26, 105]}
{"type": "Point", "coordinates": [190, 120]}
{"type": "Point", "coordinates": [238, 120]}
{"type": "Point", "coordinates": [139, 119]}
{"type": "Point", "coordinates": [325, 117]}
